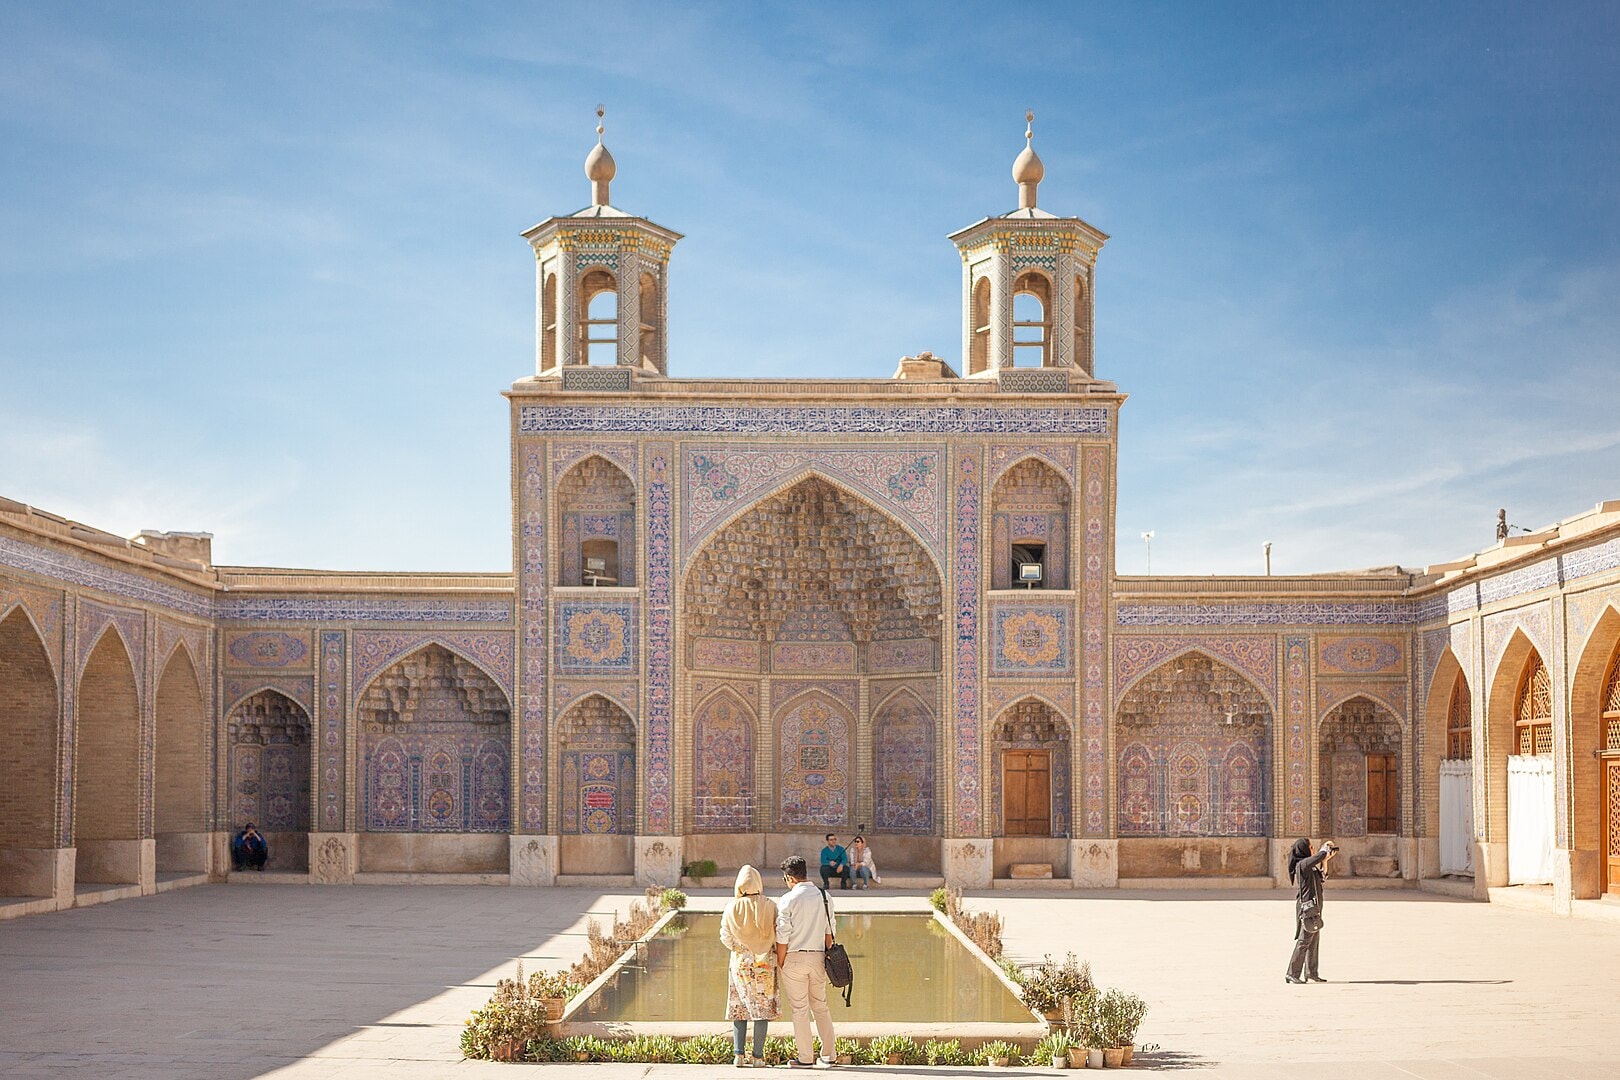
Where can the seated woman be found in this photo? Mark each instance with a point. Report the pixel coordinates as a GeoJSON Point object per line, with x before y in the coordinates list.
{"type": "Point", "coordinates": [863, 864]}
{"type": "Point", "coordinates": [249, 850]}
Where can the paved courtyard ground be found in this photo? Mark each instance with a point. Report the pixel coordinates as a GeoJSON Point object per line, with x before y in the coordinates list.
{"type": "Point", "coordinates": [305, 982]}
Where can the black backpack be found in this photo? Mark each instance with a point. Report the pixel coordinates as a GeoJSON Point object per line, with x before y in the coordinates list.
{"type": "Point", "coordinates": [836, 961]}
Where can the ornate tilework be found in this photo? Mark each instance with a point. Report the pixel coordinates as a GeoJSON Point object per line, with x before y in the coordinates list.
{"type": "Point", "coordinates": [967, 572]}
{"type": "Point", "coordinates": [1032, 725]}
{"type": "Point", "coordinates": [532, 584]}
{"type": "Point", "coordinates": [1028, 638]}
{"type": "Point", "coordinates": [331, 778]}
{"type": "Point", "coordinates": [1526, 579]}
{"type": "Point", "coordinates": [1093, 616]}
{"type": "Point", "coordinates": [1361, 655]}
{"type": "Point", "coordinates": [820, 419]}
{"type": "Point", "coordinates": [813, 772]}
{"type": "Point", "coordinates": [1333, 692]}
{"type": "Point", "coordinates": [170, 635]}
{"type": "Point", "coordinates": [67, 729]}
{"type": "Point", "coordinates": [903, 765]}
{"type": "Point", "coordinates": [718, 654]}
{"type": "Point", "coordinates": [624, 692]}
{"type": "Point", "coordinates": [1302, 613]}
{"type": "Point", "coordinates": [596, 637]}
{"type": "Point", "coordinates": [1593, 560]}
{"type": "Point", "coordinates": [1584, 611]}
{"type": "Point", "coordinates": [77, 570]}
{"type": "Point", "coordinates": [375, 650]}
{"type": "Point", "coordinates": [718, 481]}
{"type": "Point", "coordinates": [1536, 623]}
{"type": "Point", "coordinates": [998, 693]}
{"type": "Point", "coordinates": [723, 764]}
{"type": "Point", "coordinates": [267, 737]}
{"type": "Point", "coordinates": [1296, 751]}
{"type": "Point", "coordinates": [900, 656]}
{"type": "Point", "coordinates": [812, 656]}
{"type": "Point", "coordinates": [45, 608]}
{"type": "Point", "coordinates": [747, 689]}
{"type": "Point", "coordinates": [1253, 654]}
{"type": "Point", "coordinates": [1433, 644]}
{"type": "Point", "coordinates": [660, 516]}
{"type": "Point", "coordinates": [1004, 456]}
{"type": "Point", "coordinates": [266, 649]}
{"type": "Point", "coordinates": [300, 688]}
{"type": "Point", "coordinates": [565, 455]}
{"type": "Point", "coordinates": [93, 618]}
{"type": "Point", "coordinates": [362, 610]}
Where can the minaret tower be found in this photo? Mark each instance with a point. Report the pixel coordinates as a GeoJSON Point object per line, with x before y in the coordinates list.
{"type": "Point", "coordinates": [601, 275]}
{"type": "Point", "coordinates": [1028, 281]}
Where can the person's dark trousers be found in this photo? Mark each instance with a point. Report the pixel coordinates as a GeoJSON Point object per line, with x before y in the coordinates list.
{"type": "Point", "coordinates": [238, 856]}
{"type": "Point", "coordinates": [1307, 943]}
{"type": "Point", "coordinates": [828, 872]}
{"type": "Point", "coordinates": [257, 859]}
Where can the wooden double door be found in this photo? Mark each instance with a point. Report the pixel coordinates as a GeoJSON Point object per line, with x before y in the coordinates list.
{"type": "Point", "coordinates": [1026, 792]}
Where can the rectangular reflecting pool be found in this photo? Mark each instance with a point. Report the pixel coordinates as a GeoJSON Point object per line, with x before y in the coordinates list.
{"type": "Point", "coordinates": [908, 969]}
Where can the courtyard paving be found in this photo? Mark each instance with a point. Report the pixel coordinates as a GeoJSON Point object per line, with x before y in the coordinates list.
{"type": "Point", "coordinates": [224, 982]}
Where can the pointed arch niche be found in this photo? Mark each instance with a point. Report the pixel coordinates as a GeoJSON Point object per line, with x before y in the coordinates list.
{"type": "Point", "coordinates": [723, 739]}
{"type": "Point", "coordinates": [903, 774]}
{"type": "Point", "coordinates": [596, 789]}
{"type": "Point", "coordinates": [1595, 763]}
{"type": "Point", "coordinates": [1519, 798]}
{"type": "Point", "coordinates": [1029, 771]}
{"type": "Point", "coordinates": [1360, 753]}
{"type": "Point", "coordinates": [180, 791]}
{"type": "Point", "coordinates": [1194, 753]}
{"type": "Point", "coordinates": [107, 777]}
{"type": "Point", "coordinates": [1446, 772]}
{"type": "Point", "coordinates": [1030, 525]}
{"type": "Point", "coordinates": [29, 713]}
{"type": "Point", "coordinates": [435, 735]}
{"type": "Point", "coordinates": [267, 736]}
{"type": "Point", "coordinates": [596, 504]}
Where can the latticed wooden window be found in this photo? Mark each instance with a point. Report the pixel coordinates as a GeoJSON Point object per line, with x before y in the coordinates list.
{"type": "Point", "coordinates": [1459, 729]}
{"type": "Point", "coordinates": [1611, 704]}
{"type": "Point", "coordinates": [1533, 722]}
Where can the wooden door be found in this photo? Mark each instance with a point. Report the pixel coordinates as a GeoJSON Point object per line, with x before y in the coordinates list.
{"type": "Point", "coordinates": [1026, 792]}
{"type": "Point", "coordinates": [1611, 813]}
{"type": "Point", "coordinates": [1383, 794]}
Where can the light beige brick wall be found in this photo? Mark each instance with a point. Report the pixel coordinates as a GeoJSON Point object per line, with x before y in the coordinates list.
{"type": "Point", "coordinates": [181, 795]}
{"type": "Point", "coordinates": [28, 707]}
{"type": "Point", "coordinates": [106, 798]}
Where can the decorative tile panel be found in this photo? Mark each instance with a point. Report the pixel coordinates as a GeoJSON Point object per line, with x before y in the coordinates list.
{"type": "Point", "coordinates": [967, 572]}
{"type": "Point", "coordinates": [723, 740]}
{"type": "Point", "coordinates": [131, 627]}
{"type": "Point", "coordinates": [718, 480]}
{"type": "Point", "coordinates": [1293, 613]}
{"type": "Point", "coordinates": [532, 584]}
{"type": "Point", "coordinates": [1004, 456]}
{"type": "Point", "coordinates": [362, 610]}
{"type": "Point", "coordinates": [822, 419]}
{"type": "Point", "coordinates": [1030, 638]}
{"type": "Point", "coordinates": [1584, 611]}
{"type": "Point", "coordinates": [718, 654]}
{"type": "Point", "coordinates": [1296, 726]}
{"type": "Point", "coordinates": [660, 770]}
{"type": "Point", "coordinates": [1331, 693]}
{"type": "Point", "coordinates": [1362, 655]}
{"type": "Point", "coordinates": [565, 455]}
{"type": "Point", "coordinates": [375, 650]}
{"type": "Point", "coordinates": [1535, 621]}
{"type": "Point", "coordinates": [814, 775]}
{"type": "Point", "coordinates": [332, 776]}
{"type": "Point", "coordinates": [900, 656]}
{"type": "Point", "coordinates": [597, 637]}
{"type": "Point", "coordinates": [1093, 627]}
{"type": "Point", "coordinates": [1253, 654]}
{"type": "Point", "coordinates": [45, 607]}
{"type": "Point", "coordinates": [77, 570]}
{"type": "Point", "coordinates": [299, 688]}
{"type": "Point", "coordinates": [266, 649]}
{"type": "Point", "coordinates": [817, 656]}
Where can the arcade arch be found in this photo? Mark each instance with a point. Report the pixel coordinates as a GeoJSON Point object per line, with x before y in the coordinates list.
{"type": "Point", "coordinates": [1595, 762]}
{"type": "Point", "coordinates": [1360, 757]}
{"type": "Point", "coordinates": [106, 789]}
{"type": "Point", "coordinates": [1194, 752]}
{"type": "Point", "coordinates": [180, 793]}
{"type": "Point", "coordinates": [1519, 792]}
{"type": "Point", "coordinates": [28, 728]}
{"type": "Point", "coordinates": [267, 737]}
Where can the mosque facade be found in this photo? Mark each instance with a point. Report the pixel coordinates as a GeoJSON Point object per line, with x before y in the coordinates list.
{"type": "Point", "coordinates": [745, 613]}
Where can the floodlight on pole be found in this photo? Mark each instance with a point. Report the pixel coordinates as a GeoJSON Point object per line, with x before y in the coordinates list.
{"type": "Point", "coordinates": [1147, 538]}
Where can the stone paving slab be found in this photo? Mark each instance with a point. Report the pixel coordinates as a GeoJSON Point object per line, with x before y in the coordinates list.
{"type": "Point", "coordinates": [303, 982]}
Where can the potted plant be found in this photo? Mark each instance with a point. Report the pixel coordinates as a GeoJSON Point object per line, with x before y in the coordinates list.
{"type": "Point", "coordinates": [552, 989]}
{"type": "Point", "coordinates": [1063, 1050]}
{"type": "Point", "coordinates": [850, 1051]}
{"type": "Point", "coordinates": [944, 1052]}
{"type": "Point", "coordinates": [504, 1026]}
{"type": "Point", "coordinates": [998, 1053]}
{"type": "Point", "coordinates": [896, 1050]}
{"type": "Point", "coordinates": [1051, 986]}
{"type": "Point", "coordinates": [1129, 1011]}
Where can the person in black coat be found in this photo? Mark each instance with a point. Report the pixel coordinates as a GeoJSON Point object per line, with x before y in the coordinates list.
{"type": "Point", "coordinates": [1306, 871]}
{"type": "Point", "coordinates": [249, 851]}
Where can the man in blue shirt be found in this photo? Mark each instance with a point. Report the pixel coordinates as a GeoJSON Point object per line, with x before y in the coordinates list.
{"type": "Point", "coordinates": [834, 863]}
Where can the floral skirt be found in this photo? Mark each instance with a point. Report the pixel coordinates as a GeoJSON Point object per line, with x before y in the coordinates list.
{"type": "Point", "coordinates": [751, 988]}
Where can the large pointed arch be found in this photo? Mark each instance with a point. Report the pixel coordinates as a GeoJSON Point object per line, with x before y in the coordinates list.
{"type": "Point", "coordinates": [1433, 745]}
{"type": "Point", "coordinates": [1193, 701]}
{"type": "Point", "coordinates": [1028, 740]}
{"type": "Point", "coordinates": [268, 755]}
{"type": "Point", "coordinates": [815, 764]}
{"type": "Point", "coordinates": [1594, 756]}
{"type": "Point", "coordinates": [180, 765]}
{"type": "Point", "coordinates": [1502, 700]}
{"type": "Point", "coordinates": [107, 749]}
{"type": "Point", "coordinates": [29, 714]}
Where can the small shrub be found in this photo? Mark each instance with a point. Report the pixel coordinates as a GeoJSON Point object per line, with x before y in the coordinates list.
{"type": "Point", "coordinates": [1051, 984]}
{"type": "Point", "coordinates": [988, 1053]}
{"type": "Point", "coordinates": [700, 869]}
{"type": "Point", "coordinates": [549, 1049]}
{"type": "Point", "coordinates": [902, 1046]}
{"type": "Point", "coordinates": [706, 1050]}
{"type": "Point", "coordinates": [1009, 967]}
{"type": "Point", "coordinates": [779, 1050]}
{"type": "Point", "coordinates": [1118, 1015]}
{"type": "Point", "coordinates": [944, 1052]}
{"type": "Point", "coordinates": [858, 1054]}
{"type": "Point", "coordinates": [672, 899]}
{"type": "Point", "coordinates": [512, 1015]}
{"type": "Point", "coordinates": [940, 898]}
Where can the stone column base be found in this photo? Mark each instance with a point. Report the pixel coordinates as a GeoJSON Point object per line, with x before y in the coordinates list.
{"type": "Point", "coordinates": [658, 861]}
{"type": "Point", "coordinates": [219, 856]}
{"type": "Point", "coordinates": [1490, 867]}
{"type": "Point", "coordinates": [1094, 864]}
{"type": "Point", "coordinates": [1428, 857]}
{"type": "Point", "coordinates": [533, 860]}
{"type": "Point", "coordinates": [968, 864]}
{"type": "Point", "coordinates": [333, 858]}
{"type": "Point", "coordinates": [1406, 856]}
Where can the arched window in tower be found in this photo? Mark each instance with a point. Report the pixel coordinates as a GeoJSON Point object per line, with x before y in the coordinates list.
{"type": "Point", "coordinates": [596, 502]}
{"type": "Point", "coordinates": [979, 350]}
{"type": "Point", "coordinates": [599, 318]}
{"type": "Point", "coordinates": [1030, 528]}
{"type": "Point", "coordinates": [1533, 718]}
{"type": "Point", "coordinates": [548, 323]}
{"type": "Point", "coordinates": [1082, 326]}
{"type": "Point", "coordinates": [1032, 320]}
{"type": "Point", "coordinates": [652, 325]}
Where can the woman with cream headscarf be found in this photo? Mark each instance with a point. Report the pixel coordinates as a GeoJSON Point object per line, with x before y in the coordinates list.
{"type": "Point", "coordinates": [748, 929]}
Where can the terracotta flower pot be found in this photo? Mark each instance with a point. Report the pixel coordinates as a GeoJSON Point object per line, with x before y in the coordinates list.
{"type": "Point", "coordinates": [506, 1050]}
{"type": "Point", "coordinates": [1130, 1051]}
{"type": "Point", "coordinates": [1001, 1062]}
{"type": "Point", "coordinates": [1114, 1056]}
{"type": "Point", "coordinates": [1094, 1057]}
{"type": "Point", "coordinates": [893, 1059]}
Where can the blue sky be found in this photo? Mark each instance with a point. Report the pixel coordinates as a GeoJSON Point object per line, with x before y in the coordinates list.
{"type": "Point", "coordinates": [260, 271]}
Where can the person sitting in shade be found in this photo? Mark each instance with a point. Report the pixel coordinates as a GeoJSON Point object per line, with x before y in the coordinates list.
{"type": "Point", "coordinates": [834, 863]}
{"type": "Point", "coordinates": [249, 849]}
{"type": "Point", "coordinates": [862, 862]}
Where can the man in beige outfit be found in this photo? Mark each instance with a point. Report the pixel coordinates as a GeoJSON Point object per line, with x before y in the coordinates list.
{"type": "Point", "coordinates": [803, 932]}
